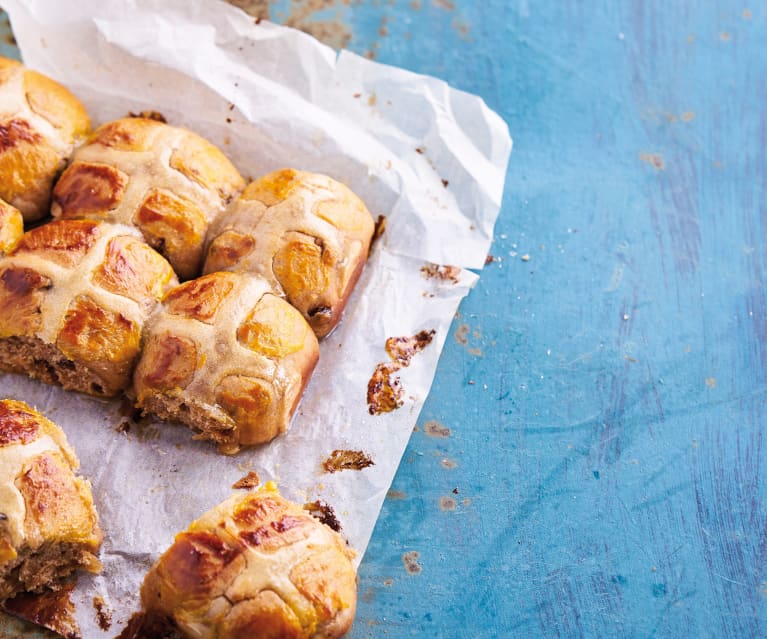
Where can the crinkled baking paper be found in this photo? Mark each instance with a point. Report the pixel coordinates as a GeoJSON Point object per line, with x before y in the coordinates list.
{"type": "Point", "coordinates": [430, 158]}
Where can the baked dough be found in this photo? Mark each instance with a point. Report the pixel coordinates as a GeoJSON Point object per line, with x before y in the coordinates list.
{"type": "Point", "coordinates": [40, 124]}
{"type": "Point", "coordinates": [166, 181]}
{"type": "Point", "coordinates": [74, 295]}
{"type": "Point", "coordinates": [227, 357]}
{"type": "Point", "coordinates": [11, 227]}
{"type": "Point", "coordinates": [48, 525]}
{"type": "Point", "coordinates": [306, 233]}
{"type": "Point", "coordinates": [256, 566]}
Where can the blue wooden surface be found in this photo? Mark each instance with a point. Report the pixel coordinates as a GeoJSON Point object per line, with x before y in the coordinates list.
{"type": "Point", "coordinates": [590, 462]}
{"type": "Point", "coordinates": [607, 410]}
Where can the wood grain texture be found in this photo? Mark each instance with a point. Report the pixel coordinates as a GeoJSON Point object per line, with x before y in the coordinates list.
{"type": "Point", "coordinates": [590, 462]}
{"type": "Point", "coordinates": [606, 397]}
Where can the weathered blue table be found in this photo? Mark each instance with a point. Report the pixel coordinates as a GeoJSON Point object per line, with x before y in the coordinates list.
{"type": "Point", "coordinates": [591, 461]}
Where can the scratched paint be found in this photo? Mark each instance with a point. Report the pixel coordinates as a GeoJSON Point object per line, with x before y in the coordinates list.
{"type": "Point", "coordinates": [447, 503]}
{"type": "Point", "coordinates": [468, 337]}
{"type": "Point", "coordinates": [655, 160]}
{"type": "Point", "coordinates": [378, 28]}
{"type": "Point", "coordinates": [434, 428]}
{"type": "Point", "coordinates": [410, 561]}
{"type": "Point", "coordinates": [639, 163]}
{"type": "Point", "coordinates": [323, 19]}
{"type": "Point", "coordinates": [368, 595]}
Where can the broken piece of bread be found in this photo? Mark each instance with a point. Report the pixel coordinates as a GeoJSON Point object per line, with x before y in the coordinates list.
{"type": "Point", "coordinates": [306, 233]}
{"type": "Point", "coordinates": [48, 525]}
{"type": "Point", "coordinates": [74, 295]}
{"type": "Point", "coordinates": [256, 566]}
{"type": "Point", "coordinates": [167, 181]}
{"type": "Point", "coordinates": [40, 124]}
{"type": "Point", "coordinates": [228, 358]}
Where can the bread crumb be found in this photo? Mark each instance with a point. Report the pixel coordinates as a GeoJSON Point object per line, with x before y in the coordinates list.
{"type": "Point", "coordinates": [248, 482]}
{"type": "Point", "coordinates": [346, 460]}
{"type": "Point", "coordinates": [149, 115]}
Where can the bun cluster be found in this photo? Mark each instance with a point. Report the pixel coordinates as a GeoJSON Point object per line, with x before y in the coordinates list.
{"type": "Point", "coordinates": [88, 300]}
{"type": "Point", "coordinates": [161, 275]}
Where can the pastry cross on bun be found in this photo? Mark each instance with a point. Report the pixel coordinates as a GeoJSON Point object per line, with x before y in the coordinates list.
{"type": "Point", "coordinates": [256, 566]}
{"type": "Point", "coordinates": [40, 123]}
{"type": "Point", "coordinates": [48, 526]}
{"type": "Point", "coordinates": [227, 357]}
{"type": "Point", "coordinates": [74, 295]}
{"type": "Point", "coordinates": [168, 182]}
{"type": "Point", "coordinates": [306, 233]}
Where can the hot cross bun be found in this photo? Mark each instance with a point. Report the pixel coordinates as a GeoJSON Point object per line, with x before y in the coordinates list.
{"type": "Point", "coordinates": [48, 525]}
{"type": "Point", "coordinates": [256, 566]}
{"type": "Point", "coordinates": [227, 357]}
{"type": "Point", "coordinates": [74, 295]}
{"type": "Point", "coordinates": [40, 124]}
{"type": "Point", "coordinates": [306, 233]}
{"type": "Point", "coordinates": [166, 181]}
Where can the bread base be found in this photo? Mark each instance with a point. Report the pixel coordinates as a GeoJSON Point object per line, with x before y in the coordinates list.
{"type": "Point", "coordinates": [44, 567]}
{"type": "Point", "coordinates": [194, 415]}
{"type": "Point", "coordinates": [44, 362]}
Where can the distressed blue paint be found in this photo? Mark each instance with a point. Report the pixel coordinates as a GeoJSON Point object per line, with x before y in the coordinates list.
{"type": "Point", "coordinates": [609, 437]}
{"type": "Point", "coordinates": [611, 442]}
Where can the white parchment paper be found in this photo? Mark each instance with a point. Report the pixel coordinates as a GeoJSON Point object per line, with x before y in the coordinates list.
{"type": "Point", "coordinates": [430, 158]}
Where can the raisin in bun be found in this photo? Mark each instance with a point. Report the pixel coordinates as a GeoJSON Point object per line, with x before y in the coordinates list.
{"type": "Point", "coordinates": [48, 527]}
{"type": "Point", "coordinates": [256, 566]}
{"type": "Point", "coordinates": [166, 181]}
{"type": "Point", "coordinates": [74, 295]}
{"type": "Point", "coordinates": [306, 233]}
{"type": "Point", "coordinates": [228, 358]}
{"type": "Point", "coordinates": [40, 124]}
{"type": "Point", "coordinates": [11, 227]}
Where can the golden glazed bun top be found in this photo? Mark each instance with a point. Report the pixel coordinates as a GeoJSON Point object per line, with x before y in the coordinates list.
{"type": "Point", "coordinates": [306, 233]}
{"type": "Point", "coordinates": [11, 227]}
{"type": "Point", "coordinates": [41, 499]}
{"type": "Point", "coordinates": [168, 182]}
{"type": "Point", "coordinates": [225, 343]}
{"type": "Point", "coordinates": [255, 566]}
{"type": "Point", "coordinates": [86, 287]}
{"type": "Point", "coordinates": [40, 124]}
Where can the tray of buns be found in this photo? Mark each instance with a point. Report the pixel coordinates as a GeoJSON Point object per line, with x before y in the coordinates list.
{"type": "Point", "coordinates": [229, 259]}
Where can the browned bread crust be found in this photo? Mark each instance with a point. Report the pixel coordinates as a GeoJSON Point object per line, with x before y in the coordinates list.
{"type": "Point", "coordinates": [74, 295]}
{"type": "Point", "coordinates": [48, 527]}
{"type": "Point", "coordinates": [166, 181]}
{"type": "Point", "coordinates": [11, 227]}
{"type": "Point", "coordinates": [227, 357]}
{"type": "Point", "coordinates": [306, 233]}
{"type": "Point", "coordinates": [40, 124]}
{"type": "Point", "coordinates": [256, 566]}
